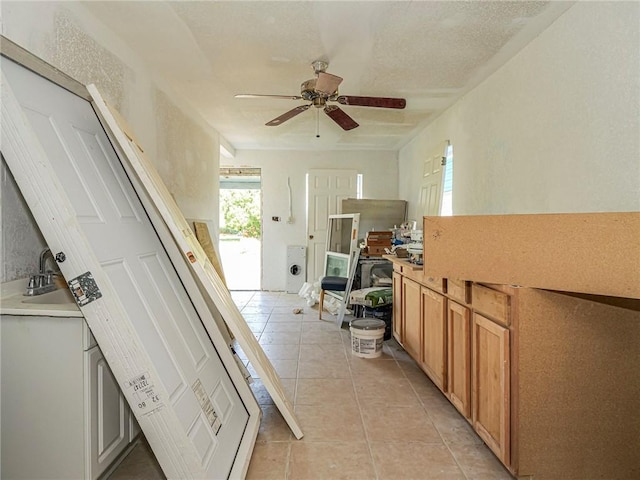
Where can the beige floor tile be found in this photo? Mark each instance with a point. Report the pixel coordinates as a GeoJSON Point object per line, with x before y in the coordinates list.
{"type": "Point", "coordinates": [280, 337]}
{"type": "Point", "coordinates": [250, 309]}
{"type": "Point", "coordinates": [386, 391]}
{"type": "Point", "coordinates": [374, 368]}
{"type": "Point", "coordinates": [320, 391]}
{"type": "Point", "coordinates": [321, 352]}
{"type": "Point", "coordinates": [320, 326]}
{"type": "Point", "coordinates": [330, 422]}
{"type": "Point", "coordinates": [283, 327]}
{"type": "Point", "coordinates": [286, 317]}
{"type": "Point", "coordinates": [322, 337]}
{"type": "Point", "coordinates": [334, 368]}
{"type": "Point", "coordinates": [278, 351]}
{"type": "Point", "coordinates": [262, 394]}
{"type": "Point", "coordinates": [478, 463]}
{"type": "Point", "coordinates": [273, 428]}
{"type": "Point", "coordinates": [330, 461]}
{"type": "Point", "coordinates": [256, 327]}
{"type": "Point", "coordinates": [414, 461]}
{"type": "Point", "coordinates": [140, 464]}
{"type": "Point", "coordinates": [269, 461]}
{"type": "Point", "coordinates": [398, 424]}
{"type": "Point", "coordinates": [255, 317]}
{"type": "Point", "coordinates": [286, 310]}
{"type": "Point", "coordinates": [285, 368]}
{"type": "Point", "coordinates": [452, 426]}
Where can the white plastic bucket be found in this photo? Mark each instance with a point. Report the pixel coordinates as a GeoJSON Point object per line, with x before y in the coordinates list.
{"type": "Point", "coordinates": [366, 337]}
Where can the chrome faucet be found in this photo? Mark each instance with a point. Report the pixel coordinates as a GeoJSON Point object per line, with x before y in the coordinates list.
{"type": "Point", "coordinates": [42, 282]}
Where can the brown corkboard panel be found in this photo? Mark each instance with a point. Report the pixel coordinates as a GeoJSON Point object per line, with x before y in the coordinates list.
{"type": "Point", "coordinates": [597, 253]}
{"type": "Point", "coordinates": [578, 388]}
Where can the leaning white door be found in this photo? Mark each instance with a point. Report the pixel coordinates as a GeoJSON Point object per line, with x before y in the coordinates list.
{"type": "Point", "coordinates": [325, 191]}
{"type": "Point", "coordinates": [135, 262]}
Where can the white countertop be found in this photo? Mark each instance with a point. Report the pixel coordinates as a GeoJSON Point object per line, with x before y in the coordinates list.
{"type": "Point", "coordinates": [14, 302]}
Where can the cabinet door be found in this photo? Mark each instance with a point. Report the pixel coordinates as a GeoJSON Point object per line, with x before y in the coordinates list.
{"type": "Point", "coordinates": [459, 357]}
{"type": "Point", "coordinates": [108, 426]}
{"type": "Point", "coordinates": [491, 389]}
{"type": "Point", "coordinates": [397, 307]}
{"type": "Point", "coordinates": [434, 336]}
{"type": "Point", "coordinates": [412, 324]}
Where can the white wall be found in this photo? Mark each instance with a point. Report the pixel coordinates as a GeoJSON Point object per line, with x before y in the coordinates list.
{"type": "Point", "coordinates": [556, 129]}
{"type": "Point", "coordinates": [379, 169]}
{"type": "Point", "coordinates": [183, 148]}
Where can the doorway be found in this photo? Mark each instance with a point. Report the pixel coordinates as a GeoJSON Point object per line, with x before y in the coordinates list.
{"type": "Point", "coordinates": [241, 227]}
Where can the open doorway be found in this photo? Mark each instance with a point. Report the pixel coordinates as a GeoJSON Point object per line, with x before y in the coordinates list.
{"type": "Point", "coordinates": [241, 227]}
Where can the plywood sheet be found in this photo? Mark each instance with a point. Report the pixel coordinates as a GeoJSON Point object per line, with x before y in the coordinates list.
{"type": "Point", "coordinates": [197, 258]}
{"type": "Point", "coordinates": [596, 253]}
{"type": "Point", "coordinates": [203, 236]}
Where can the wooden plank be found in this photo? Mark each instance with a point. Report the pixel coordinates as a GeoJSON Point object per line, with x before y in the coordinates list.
{"type": "Point", "coordinates": [197, 259]}
{"type": "Point", "coordinates": [203, 236]}
{"type": "Point", "coordinates": [596, 253]}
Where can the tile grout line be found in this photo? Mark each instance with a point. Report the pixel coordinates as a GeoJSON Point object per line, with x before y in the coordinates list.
{"type": "Point", "coordinates": [355, 393]}
{"type": "Point", "coordinates": [426, 410]}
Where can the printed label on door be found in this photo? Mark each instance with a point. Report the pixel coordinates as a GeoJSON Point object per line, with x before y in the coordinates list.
{"type": "Point", "coordinates": [207, 406]}
{"type": "Point", "coordinates": [146, 400]}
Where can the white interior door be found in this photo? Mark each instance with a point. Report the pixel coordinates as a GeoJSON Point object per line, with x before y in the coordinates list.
{"type": "Point", "coordinates": [198, 387]}
{"type": "Point", "coordinates": [325, 191]}
{"type": "Point", "coordinates": [431, 186]}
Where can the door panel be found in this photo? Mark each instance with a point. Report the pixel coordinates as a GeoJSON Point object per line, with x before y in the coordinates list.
{"type": "Point", "coordinates": [459, 357]}
{"type": "Point", "coordinates": [431, 187]}
{"type": "Point", "coordinates": [127, 246]}
{"type": "Point", "coordinates": [325, 191]}
{"type": "Point", "coordinates": [434, 336]}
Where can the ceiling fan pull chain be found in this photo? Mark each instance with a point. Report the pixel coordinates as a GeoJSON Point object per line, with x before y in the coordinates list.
{"type": "Point", "coordinates": [317, 123]}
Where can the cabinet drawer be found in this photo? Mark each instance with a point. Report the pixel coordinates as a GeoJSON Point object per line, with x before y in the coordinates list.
{"type": "Point", "coordinates": [459, 289]}
{"type": "Point", "coordinates": [438, 284]}
{"type": "Point", "coordinates": [492, 303]}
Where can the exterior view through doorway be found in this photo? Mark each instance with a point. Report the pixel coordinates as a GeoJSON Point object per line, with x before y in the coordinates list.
{"type": "Point", "coordinates": [241, 227]}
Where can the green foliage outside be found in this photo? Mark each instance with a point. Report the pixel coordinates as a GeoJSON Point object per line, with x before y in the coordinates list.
{"type": "Point", "coordinates": [240, 212]}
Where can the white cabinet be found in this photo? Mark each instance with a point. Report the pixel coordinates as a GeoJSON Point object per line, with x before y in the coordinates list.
{"type": "Point", "coordinates": [63, 414]}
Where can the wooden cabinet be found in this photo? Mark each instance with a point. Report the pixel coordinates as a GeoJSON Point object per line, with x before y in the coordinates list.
{"type": "Point", "coordinates": [491, 398]}
{"type": "Point", "coordinates": [397, 307]}
{"type": "Point", "coordinates": [411, 318]}
{"type": "Point", "coordinates": [459, 357]}
{"type": "Point", "coordinates": [434, 336]}
{"type": "Point", "coordinates": [63, 414]}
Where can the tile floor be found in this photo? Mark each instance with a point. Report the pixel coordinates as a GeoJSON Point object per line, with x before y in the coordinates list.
{"type": "Point", "coordinates": [362, 418]}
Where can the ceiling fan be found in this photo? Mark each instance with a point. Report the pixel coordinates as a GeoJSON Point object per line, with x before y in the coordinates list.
{"type": "Point", "coordinates": [323, 89]}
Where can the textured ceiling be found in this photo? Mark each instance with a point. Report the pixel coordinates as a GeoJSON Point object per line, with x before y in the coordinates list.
{"type": "Point", "coordinates": [429, 52]}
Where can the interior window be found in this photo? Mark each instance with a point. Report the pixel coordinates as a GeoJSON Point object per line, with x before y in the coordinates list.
{"type": "Point", "coordinates": [446, 208]}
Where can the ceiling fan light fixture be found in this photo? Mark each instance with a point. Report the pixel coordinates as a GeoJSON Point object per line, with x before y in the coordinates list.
{"type": "Point", "coordinates": [327, 84]}
{"type": "Point", "coordinates": [323, 89]}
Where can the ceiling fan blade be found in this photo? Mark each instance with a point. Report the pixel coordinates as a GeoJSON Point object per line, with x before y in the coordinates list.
{"type": "Point", "coordinates": [327, 83]}
{"type": "Point", "coordinates": [380, 102]}
{"type": "Point", "coordinates": [255, 95]}
{"type": "Point", "coordinates": [340, 117]}
{"type": "Point", "coordinates": [286, 116]}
